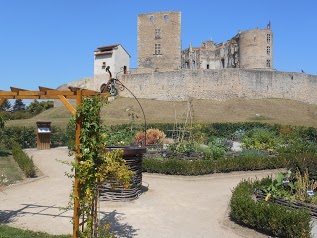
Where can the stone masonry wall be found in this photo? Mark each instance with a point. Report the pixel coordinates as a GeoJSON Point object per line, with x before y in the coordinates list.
{"type": "Point", "coordinates": [159, 40]}
{"type": "Point", "coordinates": [222, 85]}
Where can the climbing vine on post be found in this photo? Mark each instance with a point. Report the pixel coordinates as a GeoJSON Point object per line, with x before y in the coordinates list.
{"type": "Point", "coordinates": [94, 165]}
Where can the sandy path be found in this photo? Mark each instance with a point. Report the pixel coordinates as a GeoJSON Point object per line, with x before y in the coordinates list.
{"type": "Point", "coordinates": [170, 206]}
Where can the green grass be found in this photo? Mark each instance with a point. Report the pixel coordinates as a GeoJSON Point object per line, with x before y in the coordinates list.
{"type": "Point", "coordinates": [10, 232]}
{"type": "Point", "coordinates": [9, 169]}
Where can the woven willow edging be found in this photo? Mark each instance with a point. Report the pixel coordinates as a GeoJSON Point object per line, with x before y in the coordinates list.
{"type": "Point", "coordinates": [260, 195]}
{"type": "Point", "coordinates": [119, 193]}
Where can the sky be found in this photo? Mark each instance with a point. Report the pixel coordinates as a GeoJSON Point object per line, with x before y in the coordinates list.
{"type": "Point", "coordinates": [51, 42]}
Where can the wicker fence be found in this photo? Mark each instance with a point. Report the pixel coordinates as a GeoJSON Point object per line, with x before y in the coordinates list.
{"type": "Point", "coordinates": [133, 157]}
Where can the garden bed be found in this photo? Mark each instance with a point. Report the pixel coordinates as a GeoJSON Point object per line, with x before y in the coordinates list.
{"type": "Point", "coordinates": [260, 196]}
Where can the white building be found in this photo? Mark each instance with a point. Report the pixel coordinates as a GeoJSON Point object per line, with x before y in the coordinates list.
{"type": "Point", "coordinates": [114, 56]}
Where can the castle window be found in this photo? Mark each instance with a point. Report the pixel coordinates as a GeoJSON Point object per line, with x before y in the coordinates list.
{"type": "Point", "coordinates": [165, 17]}
{"type": "Point", "coordinates": [223, 63]}
{"type": "Point", "coordinates": [268, 38]}
{"type": "Point", "coordinates": [157, 33]}
{"type": "Point", "coordinates": [157, 50]}
{"type": "Point", "coordinates": [207, 66]}
{"type": "Point", "coordinates": [152, 18]}
{"type": "Point", "coordinates": [268, 50]}
{"type": "Point", "coordinates": [103, 65]}
{"type": "Point", "coordinates": [268, 63]}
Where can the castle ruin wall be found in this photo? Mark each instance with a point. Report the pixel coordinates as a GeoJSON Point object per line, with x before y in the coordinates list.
{"type": "Point", "coordinates": [223, 84]}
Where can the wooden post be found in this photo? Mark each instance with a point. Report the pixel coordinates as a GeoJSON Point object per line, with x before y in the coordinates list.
{"type": "Point", "coordinates": [76, 183]}
{"type": "Point", "coordinates": [2, 101]}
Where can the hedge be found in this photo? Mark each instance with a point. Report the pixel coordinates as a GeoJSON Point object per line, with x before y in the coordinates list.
{"type": "Point", "coordinates": [26, 136]}
{"type": "Point", "coordinates": [268, 217]}
{"type": "Point", "coordinates": [24, 161]}
{"type": "Point", "coordinates": [222, 165]}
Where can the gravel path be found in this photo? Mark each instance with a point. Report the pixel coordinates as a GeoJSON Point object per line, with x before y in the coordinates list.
{"type": "Point", "coordinates": [170, 206]}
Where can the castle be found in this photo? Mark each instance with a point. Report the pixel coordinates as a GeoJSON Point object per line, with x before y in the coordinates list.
{"type": "Point", "coordinates": [159, 47]}
{"type": "Point", "coordinates": [242, 67]}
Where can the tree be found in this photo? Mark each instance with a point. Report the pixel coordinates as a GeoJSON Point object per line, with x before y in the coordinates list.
{"type": "Point", "coordinates": [37, 107]}
{"type": "Point", "coordinates": [5, 105]}
{"type": "Point", "coordinates": [18, 105]}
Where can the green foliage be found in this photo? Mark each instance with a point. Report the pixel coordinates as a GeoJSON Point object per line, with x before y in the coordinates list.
{"type": "Point", "coordinates": [10, 232]}
{"type": "Point", "coordinates": [24, 136]}
{"type": "Point", "coordinates": [2, 122]}
{"type": "Point", "coordinates": [58, 137]}
{"type": "Point", "coordinates": [18, 105]}
{"type": "Point", "coordinates": [93, 164]}
{"type": "Point", "coordinates": [16, 115]}
{"type": "Point", "coordinates": [23, 160]}
{"type": "Point", "coordinates": [5, 105]}
{"type": "Point", "coordinates": [303, 161]}
{"type": "Point", "coordinates": [182, 147]}
{"type": "Point", "coordinates": [221, 165]}
{"type": "Point", "coordinates": [218, 147]}
{"type": "Point", "coordinates": [261, 139]}
{"type": "Point", "coordinates": [37, 107]}
{"type": "Point", "coordinates": [268, 217]}
{"type": "Point", "coordinates": [280, 187]}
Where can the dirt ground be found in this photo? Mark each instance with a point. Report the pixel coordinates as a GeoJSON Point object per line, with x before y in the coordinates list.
{"type": "Point", "coordinates": [170, 206]}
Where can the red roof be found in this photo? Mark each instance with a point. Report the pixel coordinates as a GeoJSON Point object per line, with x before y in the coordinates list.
{"type": "Point", "coordinates": [103, 52]}
{"type": "Point", "coordinates": [108, 47]}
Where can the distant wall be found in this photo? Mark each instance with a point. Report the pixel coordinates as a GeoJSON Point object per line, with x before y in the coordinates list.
{"type": "Point", "coordinates": [222, 84]}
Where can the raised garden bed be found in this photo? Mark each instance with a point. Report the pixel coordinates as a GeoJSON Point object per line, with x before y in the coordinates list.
{"type": "Point", "coordinates": [260, 196]}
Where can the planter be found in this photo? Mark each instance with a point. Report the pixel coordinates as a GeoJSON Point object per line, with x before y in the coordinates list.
{"type": "Point", "coordinates": [133, 157]}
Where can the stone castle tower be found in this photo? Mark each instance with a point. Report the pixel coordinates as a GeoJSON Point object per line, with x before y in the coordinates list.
{"type": "Point", "coordinates": [256, 49]}
{"type": "Point", "coordinates": [159, 40]}
{"type": "Point", "coordinates": [251, 49]}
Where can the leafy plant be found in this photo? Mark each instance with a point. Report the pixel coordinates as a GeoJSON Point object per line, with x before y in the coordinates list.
{"type": "Point", "coordinates": [94, 165]}
{"type": "Point", "coordinates": [261, 139]}
{"type": "Point", "coordinates": [153, 137]}
{"type": "Point", "coordinates": [280, 187]}
{"type": "Point", "coordinates": [303, 185]}
{"type": "Point", "coordinates": [218, 147]}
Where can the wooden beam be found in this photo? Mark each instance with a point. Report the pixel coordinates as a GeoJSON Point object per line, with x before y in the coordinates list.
{"type": "Point", "coordinates": [57, 92]}
{"type": "Point", "coordinates": [31, 93]}
{"type": "Point", "coordinates": [13, 89]}
{"type": "Point", "coordinates": [2, 101]}
{"type": "Point", "coordinates": [26, 97]}
{"type": "Point", "coordinates": [76, 182]}
{"type": "Point", "coordinates": [44, 89]}
{"type": "Point", "coordinates": [86, 92]}
{"type": "Point", "coordinates": [7, 93]}
{"type": "Point", "coordinates": [67, 105]}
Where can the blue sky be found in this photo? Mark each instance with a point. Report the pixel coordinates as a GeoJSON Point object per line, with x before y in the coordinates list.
{"type": "Point", "coordinates": [51, 42]}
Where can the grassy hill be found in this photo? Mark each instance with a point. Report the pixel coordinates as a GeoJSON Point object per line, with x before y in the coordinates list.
{"type": "Point", "coordinates": [121, 111]}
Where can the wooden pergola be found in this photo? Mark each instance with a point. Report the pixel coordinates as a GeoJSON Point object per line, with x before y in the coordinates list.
{"type": "Point", "coordinates": [63, 95]}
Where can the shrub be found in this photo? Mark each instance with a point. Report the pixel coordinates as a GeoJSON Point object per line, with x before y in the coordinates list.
{"type": "Point", "coordinates": [261, 139]}
{"type": "Point", "coordinates": [24, 136]}
{"type": "Point", "coordinates": [303, 161]}
{"type": "Point", "coordinates": [23, 160]}
{"type": "Point", "coordinates": [153, 137]}
{"type": "Point", "coordinates": [58, 136]}
{"type": "Point", "coordinates": [199, 167]}
{"type": "Point", "coordinates": [268, 217]}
